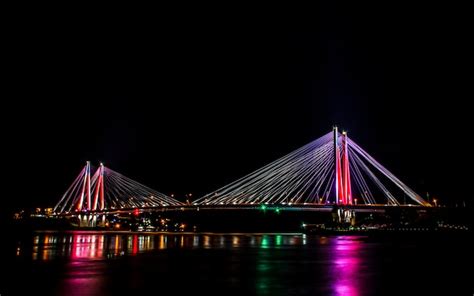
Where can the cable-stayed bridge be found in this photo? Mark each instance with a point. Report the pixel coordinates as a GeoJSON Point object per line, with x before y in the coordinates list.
{"type": "Point", "coordinates": [107, 190]}
{"type": "Point", "coordinates": [331, 170]}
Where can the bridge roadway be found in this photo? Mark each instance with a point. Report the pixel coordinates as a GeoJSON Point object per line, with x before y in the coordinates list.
{"type": "Point", "coordinates": [375, 208]}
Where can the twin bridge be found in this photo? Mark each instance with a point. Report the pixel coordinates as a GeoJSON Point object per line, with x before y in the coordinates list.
{"type": "Point", "coordinates": [331, 170]}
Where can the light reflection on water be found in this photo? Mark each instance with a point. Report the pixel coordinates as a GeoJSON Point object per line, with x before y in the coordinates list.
{"type": "Point", "coordinates": [82, 245]}
{"type": "Point", "coordinates": [88, 256]}
{"type": "Point", "coordinates": [345, 266]}
{"type": "Point", "coordinates": [92, 263]}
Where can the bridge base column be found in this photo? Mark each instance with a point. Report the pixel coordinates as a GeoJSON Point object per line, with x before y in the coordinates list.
{"type": "Point", "coordinates": [101, 221]}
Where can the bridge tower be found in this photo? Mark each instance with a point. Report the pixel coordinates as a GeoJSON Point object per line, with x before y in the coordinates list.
{"type": "Point", "coordinates": [99, 190]}
{"type": "Point", "coordinates": [337, 167]}
{"type": "Point", "coordinates": [342, 170]}
{"type": "Point", "coordinates": [86, 189]}
{"type": "Point", "coordinates": [346, 170]}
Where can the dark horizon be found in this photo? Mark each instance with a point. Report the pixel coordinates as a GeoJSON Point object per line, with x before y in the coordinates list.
{"type": "Point", "coordinates": [187, 106]}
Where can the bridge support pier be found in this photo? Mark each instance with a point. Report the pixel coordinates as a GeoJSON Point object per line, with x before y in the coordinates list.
{"type": "Point", "coordinates": [100, 222]}
{"type": "Point", "coordinates": [91, 220]}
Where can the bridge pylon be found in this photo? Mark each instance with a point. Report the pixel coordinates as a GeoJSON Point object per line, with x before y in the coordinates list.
{"type": "Point", "coordinates": [342, 169]}
{"type": "Point", "coordinates": [86, 189]}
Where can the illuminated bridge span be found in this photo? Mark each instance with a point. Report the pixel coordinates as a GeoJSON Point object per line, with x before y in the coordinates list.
{"type": "Point", "coordinates": [107, 190]}
{"type": "Point", "coordinates": [330, 170]}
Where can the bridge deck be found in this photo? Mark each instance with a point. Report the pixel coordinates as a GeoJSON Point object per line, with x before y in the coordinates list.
{"type": "Point", "coordinates": [297, 207]}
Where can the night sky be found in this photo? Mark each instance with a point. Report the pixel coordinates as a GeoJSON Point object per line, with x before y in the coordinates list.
{"type": "Point", "coordinates": [188, 101]}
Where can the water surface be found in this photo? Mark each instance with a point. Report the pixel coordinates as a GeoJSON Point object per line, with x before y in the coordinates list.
{"type": "Point", "coordinates": [85, 263]}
